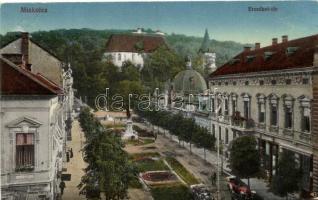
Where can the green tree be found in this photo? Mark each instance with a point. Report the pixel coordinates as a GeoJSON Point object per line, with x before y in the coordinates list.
{"type": "Point", "coordinates": [161, 66]}
{"type": "Point", "coordinates": [287, 177]}
{"type": "Point", "coordinates": [244, 158]}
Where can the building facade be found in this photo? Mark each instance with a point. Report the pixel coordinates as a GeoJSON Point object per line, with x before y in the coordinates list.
{"type": "Point", "coordinates": [268, 92]}
{"type": "Point", "coordinates": [133, 47]}
{"type": "Point", "coordinates": [36, 118]}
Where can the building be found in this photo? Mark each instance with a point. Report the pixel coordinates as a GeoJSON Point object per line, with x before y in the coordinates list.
{"type": "Point", "coordinates": [36, 117]}
{"type": "Point", "coordinates": [269, 92]}
{"type": "Point", "coordinates": [41, 61]}
{"type": "Point", "coordinates": [133, 47]}
{"type": "Point", "coordinates": [207, 54]}
{"type": "Point", "coordinates": [31, 136]}
{"type": "Point", "coordinates": [25, 49]}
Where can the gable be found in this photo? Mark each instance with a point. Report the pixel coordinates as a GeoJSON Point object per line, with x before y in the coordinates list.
{"type": "Point", "coordinates": [12, 48]}
{"type": "Point", "coordinates": [17, 81]}
{"type": "Point", "coordinates": [24, 122]}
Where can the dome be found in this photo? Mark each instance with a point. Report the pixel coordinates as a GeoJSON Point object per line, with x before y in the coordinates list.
{"type": "Point", "coordinates": [189, 82]}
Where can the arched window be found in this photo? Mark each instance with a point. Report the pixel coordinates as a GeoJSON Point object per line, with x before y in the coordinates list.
{"type": "Point", "coordinates": [261, 100]}
{"type": "Point", "coordinates": [247, 105]}
{"type": "Point", "coordinates": [288, 111]}
{"type": "Point", "coordinates": [305, 113]}
{"type": "Point", "coordinates": [273, 105]}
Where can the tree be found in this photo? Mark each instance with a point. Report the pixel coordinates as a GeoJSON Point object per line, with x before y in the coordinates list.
{"type": "Point", "coordinates": [287, 177]}
{"type": "Point", "coordinates": [244, 158]}
{"type": "Point", "coordinates": [161, 66]}
{"type": "Point", "coordinates": [108, 170]}
{"type": "Point", "coordinates": [130, 91]}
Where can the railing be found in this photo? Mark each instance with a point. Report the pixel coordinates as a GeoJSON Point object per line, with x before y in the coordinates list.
{"type": "Point", "coordinates": [243, 124]}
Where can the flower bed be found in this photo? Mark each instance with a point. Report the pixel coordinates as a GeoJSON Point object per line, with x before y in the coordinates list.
{"type": "Point", "coordinates": [159, 177]}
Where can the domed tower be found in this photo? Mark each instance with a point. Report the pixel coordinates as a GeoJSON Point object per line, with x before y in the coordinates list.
{"type": "Point", "coordinates": [208, 55]}
{"type": "Point", "coordinates": [189, 84]}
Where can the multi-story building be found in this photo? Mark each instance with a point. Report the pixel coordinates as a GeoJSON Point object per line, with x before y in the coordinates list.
{"type": "Point", "coordinates": [31, 136]}
{"type": "Point", "coordinates": [36, 107]}
{"type": "Point", "coordinates": [268, 92]}
{"type": "Point", "coordinates": [133, 47]}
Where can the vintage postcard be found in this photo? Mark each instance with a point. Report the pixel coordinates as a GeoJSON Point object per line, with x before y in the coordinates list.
{"type": "Point", "coordinates": [159, 100]}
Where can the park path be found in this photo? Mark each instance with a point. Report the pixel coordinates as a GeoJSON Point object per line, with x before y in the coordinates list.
{"type": "Point", "coordinates": [76, 165]}
{"type": "Point", "coordinates": [259, 185]}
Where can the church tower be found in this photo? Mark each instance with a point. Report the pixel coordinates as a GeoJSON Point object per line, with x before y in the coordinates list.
{"type": "Point", "coordinates": [208, 55]}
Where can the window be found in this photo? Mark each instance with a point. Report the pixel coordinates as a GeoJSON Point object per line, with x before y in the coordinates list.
{"type": "Point", "coordinates": [24, 150]}
{"type": "Point", "coordinates": [273, 82]}
{"type": "Point", "coordinates": [273, 110]}
{"type": "Point", "coordinates": [212, 105]}
{"type": "Point", "coordinates": [246, 104]}
{"type": "Point", "coordinates": [226, 83]}
{"type": "Point", "coordinates": [288, 109]}
{"type": "Point", "coordinates": [234, 82]}
{"type": "Point", "coordinates": [288, 117]}
{"type": "Point", "coordinates": [246, 83]}
{"type": "Point", "coordinates": [234, 103]}
{"type": "Point", "coordinates": [261, 82]}
{"type": "Point", "coordinates": [274, 115]}
{"type": "Point", "coordinates": [246, 109]}
{"type": "Point", "coordinates": [261, 108]}
{"type": "Point", "coordinates": [288, 81]}
{"type": "Point", "coordinates": [226, 107]}
{"type": "Point", "coordinates": [305, 81]}
{"type": "Point", "coordinates": [226, 136]}
{"type": "Point", "coordinates": [261, 117]}
{"type": "Point", "coordinates": [306, 119]}
{"type": "Point", "coordinates": [219, 106]}
{"type": "Point", "coordinates": [305, 114]}
{"type": "Point", "coordinates": [119, 57]}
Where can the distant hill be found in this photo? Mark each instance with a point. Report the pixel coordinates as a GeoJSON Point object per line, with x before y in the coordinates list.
{"type": "Point", "coordinates": [58, 40]}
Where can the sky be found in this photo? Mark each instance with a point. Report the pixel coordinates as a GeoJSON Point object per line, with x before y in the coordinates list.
{"type": "Point", "coordinates": [224, 20]}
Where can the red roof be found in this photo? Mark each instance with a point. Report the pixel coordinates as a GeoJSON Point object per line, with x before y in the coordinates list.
{"type": "Point", "coordinates": [18, 81]}
{"type": "Point", "coordinates": [134, 43]}
{"type": "Point", "coordinates": [301, 55]}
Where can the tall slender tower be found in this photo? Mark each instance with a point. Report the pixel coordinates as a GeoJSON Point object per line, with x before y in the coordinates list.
{"type": "Point", "coordinates": [208, 55]}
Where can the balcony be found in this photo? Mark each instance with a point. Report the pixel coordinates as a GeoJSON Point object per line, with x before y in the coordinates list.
{"type": "Point", "coordinates": [242, 124]}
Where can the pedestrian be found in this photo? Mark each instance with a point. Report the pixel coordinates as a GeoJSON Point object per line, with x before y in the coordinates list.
{"type": "Point", "coordinates": [62, 186]}
{"type": "Point", "coordinates": [71, 153]}
{"type": "Point", "coordinates": [67, 157]}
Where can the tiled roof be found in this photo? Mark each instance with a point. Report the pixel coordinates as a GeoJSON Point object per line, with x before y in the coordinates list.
{"type": "Point", "coordinates": [296, 53]}
{"type": "Point", "coordinates": [134, 43]}
{"type": "Point", "coordinates": [18, 81]}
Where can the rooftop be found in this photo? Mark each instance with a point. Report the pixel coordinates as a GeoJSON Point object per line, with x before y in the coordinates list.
{"type": "Point", "coordinates": [146, 43]}
{"type": "Point", "coordinates": [298, 53]}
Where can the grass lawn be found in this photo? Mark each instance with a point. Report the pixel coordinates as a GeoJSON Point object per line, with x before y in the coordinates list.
{"type": "Point", "coordinates": [171, 192]}
{"type": "Point", "coordinates": [182, 171]}
{"type": "Point", "coordinates": [141, 155]}
{"type": "Point", "coordinates": [140, 142]}
{"type": "Point", "coordinates": [151, 165]}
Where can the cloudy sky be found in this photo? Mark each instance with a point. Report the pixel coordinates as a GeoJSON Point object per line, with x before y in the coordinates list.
{"type": "Point", "coordinates": [224, 20]}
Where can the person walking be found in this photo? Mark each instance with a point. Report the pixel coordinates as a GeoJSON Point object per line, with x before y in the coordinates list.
{"type": "Point", "coordinates": [62, 186]}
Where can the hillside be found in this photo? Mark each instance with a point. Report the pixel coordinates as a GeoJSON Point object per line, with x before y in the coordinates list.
{"type": "Point", "coordinates": [59, 40]}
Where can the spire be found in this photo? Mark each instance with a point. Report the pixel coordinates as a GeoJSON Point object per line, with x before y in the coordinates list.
{"type": "Point", "coordinates": [205, 46]}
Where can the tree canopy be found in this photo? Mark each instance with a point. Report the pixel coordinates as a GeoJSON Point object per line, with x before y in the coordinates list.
{"type": "Point", "coordinates": [244, 157]}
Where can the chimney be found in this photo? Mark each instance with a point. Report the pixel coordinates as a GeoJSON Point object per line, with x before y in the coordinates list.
{"type": "Point", "coordinates": [25, 47]}
{"type": "Point", "coordinates": [247, 49]}
{"type": "Point", "coordinates": [274, 41]}
{"type": "Point", "coordinates": [257, 45]}
{"type": "Point", "coordinates": [284, 38]}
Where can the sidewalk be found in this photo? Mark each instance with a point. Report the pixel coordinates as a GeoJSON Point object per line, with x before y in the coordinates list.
{"type": "Point", "coordinates": [76, 165]}
{"type": "Point", "coordinates": [258, 185]}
